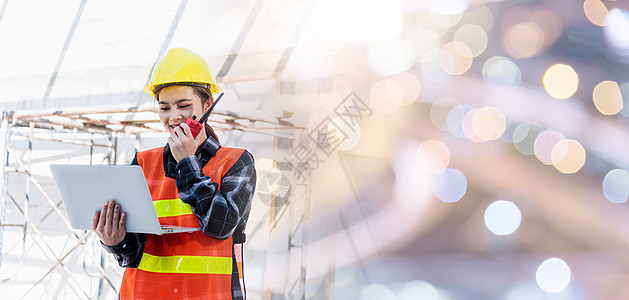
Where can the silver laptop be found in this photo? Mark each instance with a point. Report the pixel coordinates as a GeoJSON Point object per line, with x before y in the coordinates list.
{"type": "Point", "coordinates": [85, 188]}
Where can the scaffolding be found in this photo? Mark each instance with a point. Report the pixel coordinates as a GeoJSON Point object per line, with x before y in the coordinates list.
{"type": "Point", "coordinates": [127, 121]}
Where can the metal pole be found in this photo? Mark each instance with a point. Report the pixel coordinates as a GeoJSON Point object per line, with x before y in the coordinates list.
{"type": "Point", "coordinates": [101, 286]}
{"type": "Point", "coordinates": [137, 145]}
{"type": "Point", "coordinates": [115, 148]}
{"type": "Point", "coordinates": [305, 240]}
{"type": "Point", "coordinates": [4, 159]}
{"type": "Point", "coordinates": [91, 147]}
{"type": "Point", "coordinates": [27, 191]}
{"type": "Point", "coordinates": [272, 222]}
{"type": "Point", "coordinates": [74, 113]}
{"type": "Point", "coordinates": [113, 142]}
{"type": "Point", "coordinates": [73, 142]}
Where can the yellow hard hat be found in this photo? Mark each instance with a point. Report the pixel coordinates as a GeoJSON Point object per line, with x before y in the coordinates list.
{"type": "Point", "coordinates": [181, 66]}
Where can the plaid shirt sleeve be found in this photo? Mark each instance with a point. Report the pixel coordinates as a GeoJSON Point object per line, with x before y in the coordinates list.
{"type": "Point", "coordinates": [129, 252]}
{"type": "Point", "coordinates": [220, 212]}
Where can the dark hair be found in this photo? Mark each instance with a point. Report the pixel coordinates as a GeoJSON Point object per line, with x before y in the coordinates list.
{"type": "Point", "coordinates": [205, 95]}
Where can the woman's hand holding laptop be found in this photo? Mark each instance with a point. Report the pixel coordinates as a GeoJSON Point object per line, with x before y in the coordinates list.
{"type": "Point", "coordinates": [109, 224]}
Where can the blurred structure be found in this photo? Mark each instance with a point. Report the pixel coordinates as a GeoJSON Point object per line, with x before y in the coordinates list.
{"type": "Point", "coordinates": [89, 128]}
{"type": "Point", "coordinates": [455, 149]}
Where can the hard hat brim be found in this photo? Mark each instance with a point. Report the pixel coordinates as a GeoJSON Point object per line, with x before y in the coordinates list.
{"type": "Point", "coordinates": [151, 88]}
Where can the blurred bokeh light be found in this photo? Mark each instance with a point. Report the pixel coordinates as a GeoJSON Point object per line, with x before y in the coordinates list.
{"type": "Point", "coordinates": [501, 73]}
{"type": "Point", "coordinates": [410, 85]}
{"type": "Point", "coordinates": [433, 156]}
{"type": "Point", "coordinates": [450, 185]}
{"type": "Point", "coordinates": [525, 291]}
{"type": "Point", "coordinates": [524, 136]}
{"type": "Point", "coordinates": [524, 40]}
{"type": "Point", "coordinates": [346, 130]}
{"type": "Point", "coordinates": [440, 110]}
{"type": "Point", "coordinates": [473, 36]}
{"type": "Point", "coordinates": [444, 20]}
{"type": "Point", "coordinates": [607, 98]}
{"type": "Point", "coordinates": [568, 156]}
{"type": "Point", "coordinates": [596, 12]}
{"type": "Point", "coordinates": [386, 96]}
{"type": "Point", "coordinates": [455, 58]}
{"type": "Point", "coordinates": [391, 57]}
{"type": "Point", "coordinates": [553, 275]}
{"type": "Point", "coordinates": [489, 123]}
{"type": "Point", "coordinates": [615, 32]}
{"type": "Point", "coordinates": [456, 120]}
{"type": "Point", "coordinates": [561, 81]}
{"type": "Point", "coordinates": [616, 186]}
{"type": "Point", "coordinates": [419, 289]}
{"type": "Point", "coordinates": [502, 217]}
{"type": "Point", "coordinates": [377, 292]}
{"type": "Point", "coordinates": [544, 144]}
{"type": "Point", "coordinates": [431, 66]}
{"type": "Point", "coordinates": [423, 41]}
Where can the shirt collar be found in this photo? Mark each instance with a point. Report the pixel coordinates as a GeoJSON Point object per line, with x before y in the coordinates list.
{"type": "Point", "coordinates": [204, 153]}
{"type": "Point", "coordinates": [210, 145]}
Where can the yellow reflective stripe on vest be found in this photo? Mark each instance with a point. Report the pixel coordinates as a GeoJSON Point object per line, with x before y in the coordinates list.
{"type": "Point", "coordinates": [186, 264]}
{"type": "Point", "coordinates": [171, 208]}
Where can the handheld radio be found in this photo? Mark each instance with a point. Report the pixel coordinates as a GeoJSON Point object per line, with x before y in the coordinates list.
{"type": "Point", "coordinates": [196, 126]}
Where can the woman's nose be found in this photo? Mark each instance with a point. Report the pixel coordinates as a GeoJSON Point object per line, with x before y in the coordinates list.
{"type": "Point", "coordinates": [176, 115]}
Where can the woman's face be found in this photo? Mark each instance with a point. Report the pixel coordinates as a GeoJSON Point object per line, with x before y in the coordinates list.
{"type": "Point", "coordinates": [178, 103]}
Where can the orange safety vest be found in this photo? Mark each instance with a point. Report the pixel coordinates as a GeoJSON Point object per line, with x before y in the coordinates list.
{"type": "Point", "coordinates": [181, 265]}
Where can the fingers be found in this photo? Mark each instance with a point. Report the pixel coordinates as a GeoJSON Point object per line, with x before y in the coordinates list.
{"type": "Point", "coordinates": [95, 220]}
{"type": "Point", "coordinates": [175, 137]}
{"type": "Point", "coordinates": [103, 216]}
{"type": "Point", "coordinates": [116, 218]}
{"type": "Point", "coordinates": [186, 129]}
{"type": "Point", "coordinates": [123, 220]}
{"type": "Point", "coordinates": [110, 214]}
{"type": "Point", "coordinates": [179, 131]}
{"type": "Point", "coordinates": [181, 142]}
{"type": "Point", "coordinates": [183, 131]}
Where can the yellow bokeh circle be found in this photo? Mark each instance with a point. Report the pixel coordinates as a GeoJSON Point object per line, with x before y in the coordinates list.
{"type": "Point", "coordinates": [607, 98]}
{"type": "Point", "coordinates": [467, 124]}
{"type": "Point", "coordinates": [561, 81]}
{"type": "Point", "coordinates": [524, 40]}
{"type": "Point", "coordinates": [596, 12]}
{"type": "Point", "coordinates": [489, 123]}
{"type": "Point", "coordinates": [433, 156]}
{"type": "Point", "coordinates": [386, 96]}
{"type": "Point", "coordinates": [568, 156]}
{"type": "Point", "coordinates": [439, 112]}
{"type": "Point", "coordinates": [455, 58]}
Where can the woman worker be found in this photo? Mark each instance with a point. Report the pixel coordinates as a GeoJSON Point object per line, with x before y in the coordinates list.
{"type": "Point", "coordinates": [194, 182]}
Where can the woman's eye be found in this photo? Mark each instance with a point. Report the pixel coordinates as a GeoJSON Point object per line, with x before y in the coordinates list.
{"type": "Point", "coordinates": [184, 106]}
{"type": "Point", "coordinates": [163, 108]}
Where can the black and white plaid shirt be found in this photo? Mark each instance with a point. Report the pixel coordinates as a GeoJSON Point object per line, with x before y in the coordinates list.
{"type": "Point", "coordinates": [220, 214]}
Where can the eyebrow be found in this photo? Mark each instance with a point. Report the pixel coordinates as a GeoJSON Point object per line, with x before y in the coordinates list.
{"type": "Point", "coordinates": [176, 102]}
